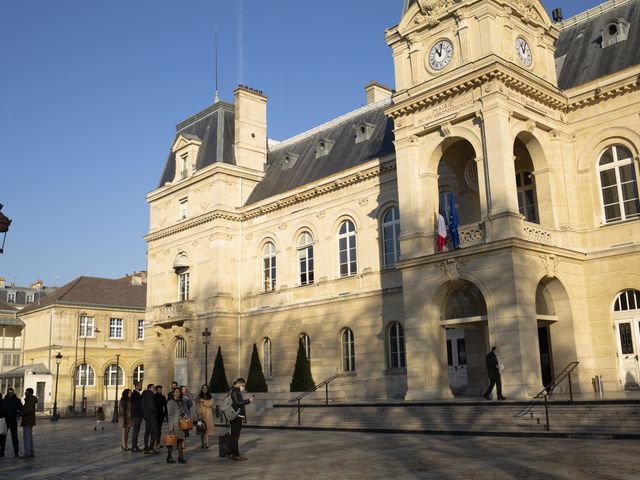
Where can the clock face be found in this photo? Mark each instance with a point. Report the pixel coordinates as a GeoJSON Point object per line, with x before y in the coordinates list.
{"type": "Point", "coordinates": [440, 54]}
{"type": "Point", "coordinates": [524, 52]}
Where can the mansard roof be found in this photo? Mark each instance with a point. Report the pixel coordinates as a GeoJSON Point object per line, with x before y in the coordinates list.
{"type": "Point", "coordinates": [296, 162]}
{"type": "Point", "coordinates": [214, 126]}
{"type": "Point", "coordinates": [580, 57]}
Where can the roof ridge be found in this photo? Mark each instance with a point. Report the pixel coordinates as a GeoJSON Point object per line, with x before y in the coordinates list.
{"type": "Point", "coordinates": [592, 12]}
{"type": "Point", "coordinates": [331, 123]}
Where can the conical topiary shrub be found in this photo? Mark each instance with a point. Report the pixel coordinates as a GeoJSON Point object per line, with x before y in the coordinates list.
{"type": "Point", "coordinates": [302, 380]}
{"type": "Point", "coordinates": [255, 379]}
{"type": "Point", "coordinates": [218, 382]}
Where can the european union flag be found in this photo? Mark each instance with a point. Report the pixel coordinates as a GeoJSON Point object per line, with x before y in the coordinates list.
{"type": "Point", "coordinates": [453, 222]}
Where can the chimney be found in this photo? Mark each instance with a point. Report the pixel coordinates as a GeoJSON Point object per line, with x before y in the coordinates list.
{"type": "Point", "coordinates": [37, 284]}
{"type": "Point", "coordinates": [376, 92]}
{"type": "Point", "coordinates": [1, 282]}
{"type": "Point", "coordinates": [250, 128]}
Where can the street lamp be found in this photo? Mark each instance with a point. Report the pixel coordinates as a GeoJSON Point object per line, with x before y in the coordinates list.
{"type": "Point", "coordinates": [4, 227]}
{"type": "Point", "coordinates": [86, 370]}
{"type": "Point", "coordinates": [206, 338]}
{"type": "Point", "coordinates": [56, 416]}
{"type": "Point", "coordinates": [115, 402]}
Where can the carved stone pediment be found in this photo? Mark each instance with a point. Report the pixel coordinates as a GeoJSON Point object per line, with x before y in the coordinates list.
{"type": "Point", "coordinates": [526, 8]}
{"type": "Point", "coordinates": [432, 10]}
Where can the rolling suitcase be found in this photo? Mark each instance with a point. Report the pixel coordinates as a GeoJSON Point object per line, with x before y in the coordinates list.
{"type": "Point", "coordinates": [224, 445]}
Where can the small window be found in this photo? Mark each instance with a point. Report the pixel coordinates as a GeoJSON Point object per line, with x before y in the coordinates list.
{"type": "Point", "coordinates": [86, 327]}
{"type": "Point", "coordinates": [397, 358]}
{"type": "Point", "coordinates": [364, 132]}
{"type": "Point", "coordinates": [114, 375]}
{"type": "Point", "coordinates": [306, 343]}
{"type": "Point", "coordinates": [347, 249]}
{"type": "Point", "coordinates": [116, 328]}
{"type": "Point", "coordinates": [348, 351]}
{"type": "Point", "coordinates": [323, 147]}
{"type": "Point", "coordinates": [184, 208]}
{"type": "Point", "coordinates": [85, 375]}
{"type": "Point", "coordinates": [269, 267]}
{"type": "Point", "coordinates": [140, 329]}
{"type": "Point", "coordinates": [617, 31]}
{"type": "Point", "coordinates": [618, 184]}
{"type": "Point", "coordinates": [627, 300]}
{"type": "Point", "coordinates": [289, 161]}
{"type": "Point", "coordinates": [138, 374]}
{"type": "Point", "coordinates": [391, 237]}
{"type": "Point", "coordinates": [30, 297]}
{"type": "Point", "coordinates": [305, 258]}
{"type": "Point", "coordinates": [11, 297]}
{"type": "Point", "coordinates": [183, 286]}
{"type": "Point", "coordinates": [267, 365]}
{"type": "Point", "coordinates": [184, 171]}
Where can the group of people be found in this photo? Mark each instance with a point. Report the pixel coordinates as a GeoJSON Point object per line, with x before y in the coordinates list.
{"type": "Point", "coordinates": [12, 409]}
{"type": "Point", "coordinates": [155, 409]}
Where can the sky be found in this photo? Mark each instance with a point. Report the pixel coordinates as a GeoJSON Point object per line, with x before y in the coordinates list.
{"type": "Point", "coordinates": [91, 92]}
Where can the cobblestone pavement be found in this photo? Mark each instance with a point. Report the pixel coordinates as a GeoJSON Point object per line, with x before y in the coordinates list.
{"type": "Point", "coordinates": [70, 449]}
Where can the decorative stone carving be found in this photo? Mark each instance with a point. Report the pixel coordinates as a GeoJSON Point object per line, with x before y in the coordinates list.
{"type": "Point", "coordinates": [550, 264]}
{"type": "Point", "coordinates": [432, 9]}
{"type": "Point", "coordinates": [452, 268]}
{"type": "Point", "coordinates": [363, 201]}
{"type": "Point", "coordinates": [321, 214]}
{"type": "Point", "coordinates": [526, 8]}
{"type": "Point", "coordinates": [446, 129]}
{"type": "Point", "coordinates": [530, 126]}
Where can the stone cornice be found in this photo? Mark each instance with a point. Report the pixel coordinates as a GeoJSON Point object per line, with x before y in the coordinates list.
{"type": "Point", "coordinates": [598, 94]}
{"type": "Point", "coordinates": [192, 223]}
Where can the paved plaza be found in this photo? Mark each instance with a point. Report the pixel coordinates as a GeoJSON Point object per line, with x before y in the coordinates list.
{"type": "Point", "coordinates": [71, 449]}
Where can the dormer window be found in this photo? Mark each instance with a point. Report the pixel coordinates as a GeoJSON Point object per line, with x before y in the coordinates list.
{"type": "Point", "coordinates": [184, 170]}
{"type": "Point", "coordinates": [324, 147]}
{"type": "Point", "coordinates": [289, 161]}
{"type": "Point", "coordinates": [186, 148]}
{"type": "Point", "coordinates": [364, 131]}
{"type": "Point", "coordinates": [617, 31]}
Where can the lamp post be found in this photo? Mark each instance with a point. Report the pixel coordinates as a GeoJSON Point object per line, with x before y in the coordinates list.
{"type": "Point", "coordinates": [4, 227]}
{"type": "Point", "coordinates": [86, 370]}
{"type": "Point", "coordinates": [206, 338]}
{"type": "Point", "coordinates": [115, 402]}
{"type": "Point", "coordinates": [55, 416]}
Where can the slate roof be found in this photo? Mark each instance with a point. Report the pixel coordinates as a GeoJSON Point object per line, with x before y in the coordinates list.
{"type": "Point", "coordinates": [579, 43]}
{"type": "Point", "coordinates": [7, 308]}
{"type": "Point", "coordinates": [34, 369]}
{"type": "Point", "coordinates": [93, 291]}
{"type": "Point", "coordinates": [214, 126]}
{"type": "Point", "coordinates": [345, 153]}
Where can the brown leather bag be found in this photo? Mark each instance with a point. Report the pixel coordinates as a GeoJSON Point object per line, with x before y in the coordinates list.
{"type": "Point", "coordinates": [169, 440]}
{"type": "Point", "coordinates": [185, 424]}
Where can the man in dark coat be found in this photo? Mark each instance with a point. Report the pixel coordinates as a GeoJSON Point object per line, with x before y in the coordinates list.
{"type": "Point", "coordinates": [151, 433]}
{"type": "Point", "coordinates": [13, 406]}
{"type": "Point", "coordinates": [136, 415]}
{"type": "Point", "coordinates": [161, 409]}
{"type": "Point", "coordinates": [493, 370]}
{"type": "Point", "coordinates": [28, 415]}
{"type": "Point", "coordinates": [236, 424]}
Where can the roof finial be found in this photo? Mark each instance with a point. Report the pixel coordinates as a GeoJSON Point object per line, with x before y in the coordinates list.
{"type": "Point", "coordinates": [216, 99]}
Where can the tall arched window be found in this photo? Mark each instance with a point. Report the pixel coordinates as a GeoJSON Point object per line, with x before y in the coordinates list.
{"type": "Point", "coordinates": [306, 343]}
{"type": "Point", "coordinates": [138, 374]}
{"type": "Point", "coordinates": [396, 346]}
{"type": "Point", "coordinates": [181, 348]}
{"type": "Point", "coordinates": [113, 374]}
{"type": "Point", "coordinates": [526, 187]}
{"type": "Point", "coordinates": [181, 267]}
{"type": "Point", "coordinates": [269, 267]}
{"type": "Point", "coordinates": [348, 351]}
{"type": "Point", "coordinates": [267, 366]}
{"type": "Point", "coordinates": [391, 237]}
{"type": "Point", "coordinates": [85, 375]}
{"type": "Point", "coordinates": [347, 248]}
{"type": "Point", "coordinates": [618, 184]}
{"type": "Point", "coordinates": [305, 258]}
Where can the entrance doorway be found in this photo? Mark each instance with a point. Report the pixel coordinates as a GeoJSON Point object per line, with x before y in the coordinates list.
{"type": "Point", "coordinates": [457, 361]}
{"type": "Point", "coordinates": [546, 361]}
{"type": "Point", "coordinates": [626, 315]}
{"type": "Point", "coordinates": [40, 386]}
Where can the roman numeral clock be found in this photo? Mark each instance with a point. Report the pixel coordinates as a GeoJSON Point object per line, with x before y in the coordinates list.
{"type": "Point", "coordinates": [440, 54]}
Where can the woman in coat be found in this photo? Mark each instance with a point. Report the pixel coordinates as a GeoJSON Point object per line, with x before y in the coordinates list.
{"type": "Point", "coordinates": [204, 404]}
{"type": "Point", "coordinates": [187, 405]}
{"type": "Point", "coordinates": [124, 418]}
{"type": "Point", "coordinates": [175, 411]}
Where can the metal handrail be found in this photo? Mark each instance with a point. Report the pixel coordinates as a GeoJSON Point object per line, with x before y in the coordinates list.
{"type": "Point", "coordinates": [324, 383]}
{"type": "Point", "coordinates": [548, 390]}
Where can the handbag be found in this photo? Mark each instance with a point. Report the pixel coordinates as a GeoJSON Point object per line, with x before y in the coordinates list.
{"type": "Point", "coordinates": [201, 426]}
{"type": "Point", "coordinates": [185, 424]}
{"type": "Point", "coordinates": [170, 440]}
{"type": "Point", "coordinates": [3, 427]}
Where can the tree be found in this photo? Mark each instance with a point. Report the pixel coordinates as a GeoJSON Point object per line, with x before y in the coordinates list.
{"type": "Point", "coordinates": [255, 379]}
{"type": "Point", "coordinates": [218, 382]}
{"type": "Point", "coordinates": [302, 380]}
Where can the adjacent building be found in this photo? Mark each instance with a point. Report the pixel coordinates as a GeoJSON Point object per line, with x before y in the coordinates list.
{"type": "Point", "coordinates": [10, 348]}
{"type": "Point", "coordinates": [522, 132]}
{"type": "Point", "coordinates": [23, 296]}
{"type": "Point", "coordinates": [97, 325]}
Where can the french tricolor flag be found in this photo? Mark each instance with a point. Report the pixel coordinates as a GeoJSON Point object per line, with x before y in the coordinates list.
{"type": "Point", "coordinates": [442, 230]}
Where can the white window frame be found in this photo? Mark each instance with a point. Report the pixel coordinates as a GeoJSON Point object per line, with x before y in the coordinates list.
{"type": "Point", "coordinates": [11, 297]}
{"type": "Point", "coordinates": [181, 348]}
{"type": "Point", "coordinates": [183, 211]}
{"type": "Point", "coordinates": [85, 373]}
{"type": "Point", "coordinates": [305, 258]}
{"type": "Point", "coordinates": [394, 224]}
{"type": "Point", "coordinates": [30, 298]}
{"type": "Point", "coordinates": [87, 327]}
{"type": "Point", "coordinates": [140, 331]}
{"type": "Point", "coordinates": [616, 164]}
{"type": "Point", "coordinates": [110, 373]}
{"type": "Point", "coordinates": [138, 374]}
{"type": "Point", "coordinates": [183, 286]}
{"type": "Point", "coordinates": [116, 328]}
{"type": "Point", "coordinates": [522, 194]}
{"type": "Point", "coordinates": [348, 349]}
{"type": "Point", "coordinates": [397, 359]}
{"type": "Point", "coordinates": [269, 267]}
{"type": "Point", "coordinates": [306, 343]}
{"type": "Point", "coordinates": [267, 360]}
{"type": "Point", "coordinates": [346, 232]}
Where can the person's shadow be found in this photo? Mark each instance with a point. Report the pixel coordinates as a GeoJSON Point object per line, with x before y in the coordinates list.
{"type": "Point", "coordinates": [251, 444]}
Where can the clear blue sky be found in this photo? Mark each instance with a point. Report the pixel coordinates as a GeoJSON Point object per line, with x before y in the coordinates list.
{"type": "Point", "coordinates": [91, 91]}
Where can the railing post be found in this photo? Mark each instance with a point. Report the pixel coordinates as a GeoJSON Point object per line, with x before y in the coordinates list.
{"type": "Point", "coordinates": [326, 393]}
{"type": "Point", "coordinates": [298, 412]}
{"type": "Point", "coordinates": [570, 388]}
{"type": "Point", "coordinates": [546, 412]}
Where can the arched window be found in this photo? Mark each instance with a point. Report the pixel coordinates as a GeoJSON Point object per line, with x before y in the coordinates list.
{"type": "Point", "coordinates": [269, 267]}
{"type": "Point", "coordinates": [181, 267]}
{"type": "Point", "coordinates": [85, 375]}
{"type": "Point", "coordinates": [113, 374]}
{"type": "Point", "coordinates": [397, 357]}
{"type": "Point", "coordinates": [391, 237]}
{"type": "Point", "coordinates": [347, 249]}
{"type": "Point", "coordinates": [267, 366]}
{"type": "Point", "coordinates": [305, 258]}
{"type": "Point", "coordinates": [627, 300]}
{"type": "Point", "coordinates": [138, 374]}
{"type": "Point", "coordinates": [348, 351]}
{"type": "Point", "coordinates": [526, 187]}
{"type": "Point", "coordinates": [306, 343]}
{"type": "Point", "coordinates": [181, 348]}
{"type": "Point", "coordinates": [618, 184]}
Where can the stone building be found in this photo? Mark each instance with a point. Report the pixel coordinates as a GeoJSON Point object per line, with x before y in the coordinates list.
{"type": "Point", "coordinates": [97, 324]}
{"type": "Point", "coordinates": [10, 347]}
{"type": "Point", "coordinates": [527, 131]}
{"type": "Point", "coordinates": [21, 296]}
